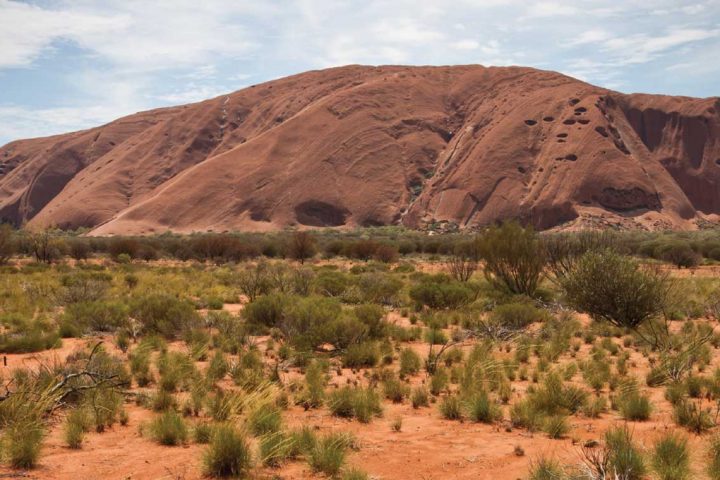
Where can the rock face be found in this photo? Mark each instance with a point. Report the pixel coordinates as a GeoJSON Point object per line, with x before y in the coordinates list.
{"type": "Point", "coordinates": [458, 146]}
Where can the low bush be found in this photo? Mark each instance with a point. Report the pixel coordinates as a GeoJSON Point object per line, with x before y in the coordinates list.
{"type": "Point", "coordinates": [440, 293]}
{"type": "Point", "coordinates": [328, 454]}
{"type": "Point", "coordinates": [713, 467]}
{"type": "Point", "coordinates": [624, 459]}
{"type": "Point", "coordinates": [228, 454]}
{"type": "Point", "coordinates": [169, 429]}
{"type": "Point", "coordinates": [635, 406]}
{"type": "Point", "coordinates": [410, 362]}
{"type": "Point", "coordinates": [164, 314]}
{"type": "Point", "coordinates": [671, 459]}
{"type": "Point", "coordinates": [361, 355]}
{"type": "Point", "coordinates": [23, 440]}
{"type": "Point", "coordinates": [692, 416]}
{"type": "Point", "coordinates": [451, 408]}
{"type": "Point", "coordinates": [516, 316]}
{"type": "Point", "coordinates": [420, 397]}
{"type": "Point", "coordinates": [556, 426]}
{"type": "Point", "coordinates": [76, 424]}
{"type": "Point", "coordinates": [482, 409]}
{"type": "Point", "coordinates": [357, 402]}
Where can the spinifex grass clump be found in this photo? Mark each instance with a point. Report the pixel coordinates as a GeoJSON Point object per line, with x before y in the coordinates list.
{"type": "Point", "coordinates": [481, 408]}
{"type": "Point", "coordinates": [23, 440]}
{"type": "Point", "coordinates": [355, 402]}
{"type": "Point", "coordinates": [451, 408]}
{"type": "Point", "coordinates": [229, 454]}
{"type": "Point", "coordinates": [169, 429]}
{"type": "Point", "coordinates": [671, 458]}
{"type": "Point", "coordinates": [328, 454]}
{"type": "Point", "coordinates": [625, 459]}
{"type": "Point", "coordinates": [420, 397]}
{"type": "Point", "coordinates": [77, 424]}
{"type": "Point", "coordinates": [692, 416]}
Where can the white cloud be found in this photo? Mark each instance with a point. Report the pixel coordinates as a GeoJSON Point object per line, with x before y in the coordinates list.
{"type": "Point", "coordinates": [551, 9]}
{"type": "Point", "coordinates": [27, 30]}
{"type": "Point", "coordinates": [642, 48]}
{"type": "Point", "coordinates": [405, 30]}
{"type": "Point", "coordinates": [128, 55]}
{"type": "Point", "coordinates": [466, 44]}
{"type": "Point", "coordinates": [590, 36]}
{"type": "Point", "coordinates": [192, 93]}
{"type": "Point", "coordinates": [142, 36]}
{"type": "Point", "coordinates": [22, 122]}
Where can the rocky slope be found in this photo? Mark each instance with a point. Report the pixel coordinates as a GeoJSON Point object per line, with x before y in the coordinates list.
{"type": "Point", "coordinates": [458, 146]}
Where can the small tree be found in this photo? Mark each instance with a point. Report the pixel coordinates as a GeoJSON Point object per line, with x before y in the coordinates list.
{"type": "Point", "coordinates": [7, 245]}
{"type": "Point", "coordinates": [302, 246]}
{"type": "Point", "coordinates": [45, 248]}
{"type": "Point", "coordinates": [514, 259]}
{"type": "Point", "coordinates": [463, 262]}
{"type": "Point", "coordinates": [614, 288]}
{"type": "Point", "coordinates": [79, 249]}
{"type": "Point", "coordinates": [563, 250]}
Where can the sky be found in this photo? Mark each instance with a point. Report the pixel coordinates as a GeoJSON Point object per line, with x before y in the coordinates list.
{"type": "Point", "coordinates": [69, 65]}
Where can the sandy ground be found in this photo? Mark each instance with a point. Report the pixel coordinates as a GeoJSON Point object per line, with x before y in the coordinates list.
{"type": "Point", "coordinates": [427, 447]}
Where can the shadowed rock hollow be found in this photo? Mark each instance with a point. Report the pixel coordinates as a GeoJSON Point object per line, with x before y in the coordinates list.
{"type": "Point", "coordinates": [362, 146]}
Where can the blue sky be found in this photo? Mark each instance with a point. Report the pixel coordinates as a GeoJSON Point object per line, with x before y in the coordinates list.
{"type": "Point", "coordinates": [67, 65]}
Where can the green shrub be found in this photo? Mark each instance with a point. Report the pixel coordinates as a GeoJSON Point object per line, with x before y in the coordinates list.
{"type": "Point", "coordinates": [169, 429]}
{"type": "Point", "coordinates": [482, 409]}
{"type": "Point", "coordinates": [331, 283]}
{"type": "Point", "coordinates": [76, 424]}
{"type": "Point", "coordinates": [410, 362]}
{"type": "Point", "coordinates": [218, 367]}
{"type": "Point", "coordinates": [23, 441]}
{"type": "Point", "coordinates": [228, 454]}
{"type": "Point", "coordinates": [554, 397]}
{"type": "Point", "coordinates": [713, 468]}
{"type": "Point", "coordinates": [202, 433]}
{"type": "Point", "coordinates": [441, 294]}
{"type": "Point", "coordinates": [395, 390]}
{"type": "Point", "coordinates": [546, 469]}
{"type": "Point", "coordinates": [517, 315]}
{"type": "Point", "coordinates": [349, 402]}
{"type": "Point", "coordinates": [328, 454]}
{"type": "Point", "coordinates": [692, 416]}
{"type": "Point", "coordinates": [524, 415]}
{"type": "Point", "coordinates": [274, 448]}
{"type": "Point", "coordinates": [595, 407]}
{"type": "Point", "coordinates": [100, 316]}
{"type": "Point", "coordinates": [679, 253]}
{"type": "Point", "coordinates": [355, 474]}
{"type": "Point", "coordinates": [451, 408]}
{"type": "Point", "coordinates": [301, 442]}
{"type": "Point", "coordinates": [616, 289]}
{"type": "Point", "coordinates": [671, 459]}
{"type": "Point", "coordinates": [420, 397]}
{"type": "Point", "coordinates": [625, 460]}
{"type": "Point", "coordinates": [556, 426]}
{"type": "Point", "coordinates": [514, 258]}
{"type": "Point", "coordinates": [164, 314]}
{"type": "Point", "coordinates": [635, 407]}
{"type": "Point", "coordinates": [438, 381]}
{"type": "Point", "coordinates": [361, 355]}
{"type": "Point", "coordinates": [313, 394]}
{"type": "Point", "coordinates": [266, 310]}
{"type": "Point", "coordinates": [373, 317]}
{"type": "Point", "coordinates": [28, 336]}
{"type": "Point", "coordinates": [264, 419]}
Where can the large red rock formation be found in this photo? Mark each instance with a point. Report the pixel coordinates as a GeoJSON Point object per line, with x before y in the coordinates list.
{"type": "Point", "coordinates": [357, 146]}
